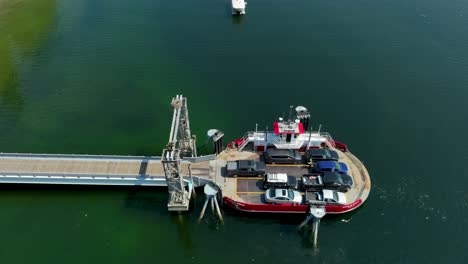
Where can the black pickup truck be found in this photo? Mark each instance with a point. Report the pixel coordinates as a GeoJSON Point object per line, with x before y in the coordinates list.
{"type": "Point", "coordinates": [245, 168]}
{"type": "Point", "coordinates": [312, 181]}
{"type": "Point", "coordinates": [327, 180]}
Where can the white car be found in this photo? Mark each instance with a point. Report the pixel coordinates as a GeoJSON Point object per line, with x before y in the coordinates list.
{"type": "Point", "coordinates": [282, 196]}
{"type": "Point", "coordinates": [334, 197]}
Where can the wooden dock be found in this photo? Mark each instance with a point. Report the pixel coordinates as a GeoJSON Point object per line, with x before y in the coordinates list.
{"type": "Point", "coordinates": [94, 169]}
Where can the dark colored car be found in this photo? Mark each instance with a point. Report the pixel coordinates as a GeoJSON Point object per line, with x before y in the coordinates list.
{"type": "Point", "coordinates": [286, 156]}
{"type": "Point", "coordinates": [336, 181]}
{"type": "Point", "coordinates": [331, 165]}
{"type": "Point", "coordinates": [348, 180]}
{"type": "Point", "coordinates": [245, 168]}
{"type": "Point", "coordinates": [327, 180]}
{"type": "Point", "coordinates": [321, 154]}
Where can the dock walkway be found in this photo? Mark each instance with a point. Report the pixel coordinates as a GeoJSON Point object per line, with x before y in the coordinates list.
{"type": "Point", "coordinates": [94, 169]}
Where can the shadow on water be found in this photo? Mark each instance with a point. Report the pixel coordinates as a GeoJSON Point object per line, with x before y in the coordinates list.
{"type": "Point", "coordinates": [237, 19]}
{"type": "Point", "coordinates": [147, 199]}
{"type": "Point", "coordinates": [307, 237]}
{"type": "Point", "coordinates": [153, 200]}
{"type": "Point", "coordinates": [150, 200]}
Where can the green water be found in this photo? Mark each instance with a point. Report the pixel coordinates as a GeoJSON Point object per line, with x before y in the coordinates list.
{"type": "Point", "coordinates": [389, 78]}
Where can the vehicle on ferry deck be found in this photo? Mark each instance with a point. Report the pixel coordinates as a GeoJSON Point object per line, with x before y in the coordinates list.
{"type": "Point", "coordinates": [348, 180]}
{"type": "Point", "coordinates": [285, 156]}
{"type": "Point", "coordinates": [327, 180]}
{"type": "Point", "coordinates": [245, 168]}
{"type": "Point", "coordinates": [337, 181]}
{"type": "Point", "coordinates": [283, 196]}
{"type": "Point", "coordinates": [312, 181]}
{"type": "Point", "coordinates": [334, 197]}
{"type": "Point", "coordinates": [279, 180]}
{"type": "Point", "coordinates": [317, 154]}
{"type": "Point", "coordinates": [331, 165]}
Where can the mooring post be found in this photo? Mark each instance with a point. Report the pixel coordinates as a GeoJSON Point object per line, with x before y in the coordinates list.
{"type": "Point", "coordinates": [315, 211]}
{"type": "Point", "coordinates": [203, 209]}
{"type": "Point", "coordinates": [218, 210]}
{"type": "Point", "coordinates": [210, 192]}
{"type": "Point", "coordinates": [305, 222]}
{"type": "Point", "coordinates": [315, 225]}
{"type": "Point", "coordinates": [212, 204]}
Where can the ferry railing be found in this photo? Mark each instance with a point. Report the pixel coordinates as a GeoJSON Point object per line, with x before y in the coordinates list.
{"type": "Point", "coordinates": [293, 145]}
{"type": "Point", "coordinates": [329, 138]}
{"type": "Point", "coordinates": [259, 136]}
{"type": "Point", "coordinates": [245, 139]}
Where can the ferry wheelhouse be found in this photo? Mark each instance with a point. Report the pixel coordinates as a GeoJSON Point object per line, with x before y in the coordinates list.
{"type": "Point", "coordinates": [287, 135]}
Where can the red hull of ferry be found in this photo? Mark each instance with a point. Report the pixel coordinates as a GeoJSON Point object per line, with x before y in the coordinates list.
{"type": "Point", "coordinates": [287, 208]}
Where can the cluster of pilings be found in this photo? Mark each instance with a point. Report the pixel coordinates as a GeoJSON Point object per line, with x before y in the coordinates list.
{"type": "Point", "coordinates": [211, 193]}
{"type": "Point", "coordinates": [315, 211]}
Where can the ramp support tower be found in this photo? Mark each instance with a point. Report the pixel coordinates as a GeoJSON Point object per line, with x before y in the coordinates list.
{"type": "Point", "coordinates": [181, 144]}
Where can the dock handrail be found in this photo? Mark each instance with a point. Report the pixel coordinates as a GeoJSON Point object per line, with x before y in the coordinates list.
{"type": "Point", "coordinates": [76, 175]}
{"type": "Point", "coordinates": [77, 156]}
{"type": "Point", "coordinates": [100, 157]}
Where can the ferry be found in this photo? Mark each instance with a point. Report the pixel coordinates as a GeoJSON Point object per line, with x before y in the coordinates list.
{"type": "Point", "coordinates": [291, 135]}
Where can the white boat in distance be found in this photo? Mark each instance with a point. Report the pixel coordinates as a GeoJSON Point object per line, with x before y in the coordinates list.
{"type": "Point", "coordinates": [238, 7]}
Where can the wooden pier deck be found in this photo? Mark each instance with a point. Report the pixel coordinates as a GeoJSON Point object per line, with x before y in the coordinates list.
{"type": "Point", "coordinates": [93, 169]}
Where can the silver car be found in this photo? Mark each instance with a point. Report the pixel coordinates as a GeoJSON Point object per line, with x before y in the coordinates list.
{"type": "Point", "coordinates": [334, 197]}
{"type": "Point", "coordinates": [282, 196]}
